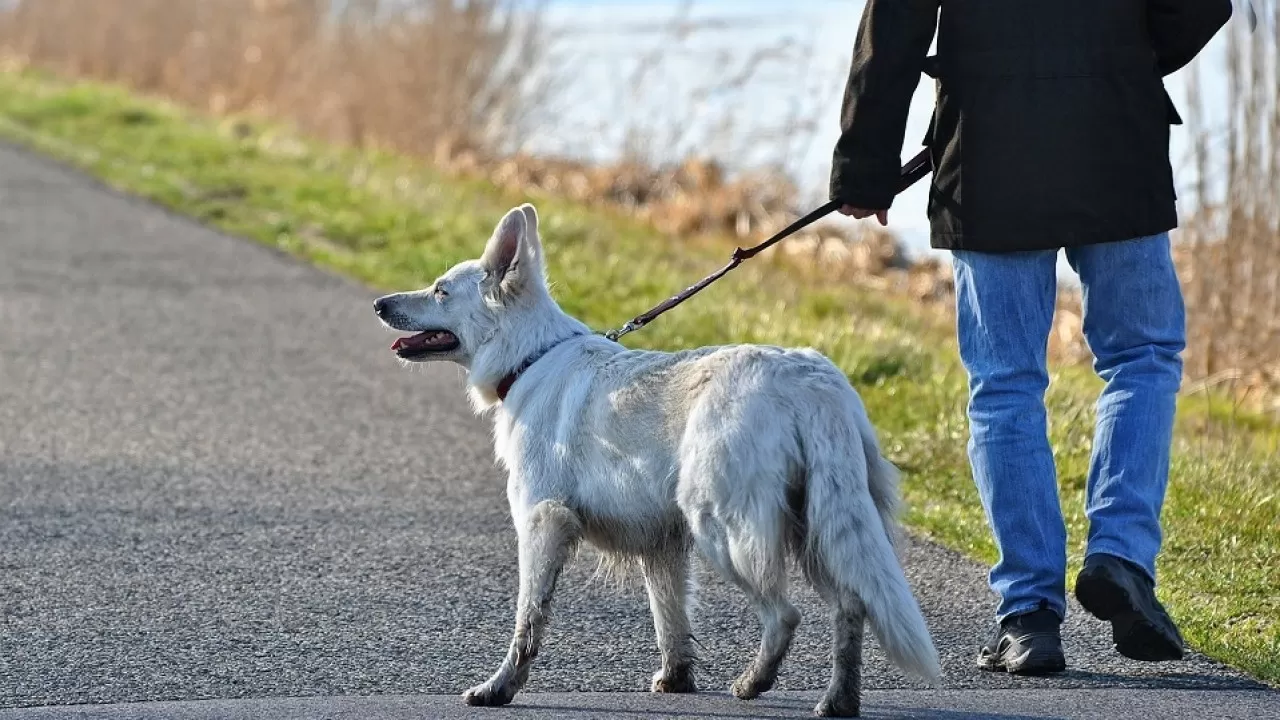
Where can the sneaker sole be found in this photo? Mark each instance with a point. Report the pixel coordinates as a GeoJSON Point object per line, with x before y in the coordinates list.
{"type": "Point", "coordinates": [1027, 666]}
{"type": "Point", "coordinates": [1135, 636]}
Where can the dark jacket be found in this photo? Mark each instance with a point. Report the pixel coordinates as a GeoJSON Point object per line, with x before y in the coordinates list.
{"type": "Point", "coordinates": [1051, 123]}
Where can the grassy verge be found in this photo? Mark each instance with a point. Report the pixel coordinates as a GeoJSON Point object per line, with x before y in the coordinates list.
{"type": "Point", "coordinates": [395, 224]}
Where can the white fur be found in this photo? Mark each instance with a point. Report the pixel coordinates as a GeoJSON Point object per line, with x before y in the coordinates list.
{"type": "Point", "coordinates": [751, 454]}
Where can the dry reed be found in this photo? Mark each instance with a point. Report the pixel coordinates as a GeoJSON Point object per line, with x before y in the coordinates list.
{"type": "Point", "coordinates": [1229, 254]}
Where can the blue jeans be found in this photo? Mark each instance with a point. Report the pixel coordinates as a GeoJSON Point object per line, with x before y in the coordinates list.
{"type": "Point", "coordinates": [1134, 321]}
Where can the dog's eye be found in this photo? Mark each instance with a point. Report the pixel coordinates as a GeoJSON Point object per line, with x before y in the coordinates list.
{"type": "Point", "coordinates": [441, 294]}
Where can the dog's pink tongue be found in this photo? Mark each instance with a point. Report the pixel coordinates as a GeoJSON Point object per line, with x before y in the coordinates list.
{"type": "Point", "coordinates": [408, 342]}
{"type": "Point", "coordinates": [428, 339]}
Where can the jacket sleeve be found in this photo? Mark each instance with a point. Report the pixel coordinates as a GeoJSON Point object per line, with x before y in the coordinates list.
{"type": "Point", "coordinates": [889, 56]}
{"type": "Point", "coordinates": [1181, 28]}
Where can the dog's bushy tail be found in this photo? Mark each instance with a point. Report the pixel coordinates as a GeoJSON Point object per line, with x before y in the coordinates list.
{"type": "Point", "coordinates": [852, 534]}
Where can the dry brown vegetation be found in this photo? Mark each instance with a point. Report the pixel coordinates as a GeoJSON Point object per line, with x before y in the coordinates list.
{"type": "Point", "coordinates": [1230, 258]}
{"type": "Point", "coordinates": [459, 81]}
{"type": "Point", "coordinates": [412, 76]}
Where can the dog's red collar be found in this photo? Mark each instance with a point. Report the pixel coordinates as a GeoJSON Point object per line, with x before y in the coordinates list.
{"type": "Point", "coordinates": [504, 385]}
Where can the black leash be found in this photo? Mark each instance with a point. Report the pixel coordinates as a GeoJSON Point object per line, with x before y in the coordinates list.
{"type": "Point", "coordinates": [915, 169]}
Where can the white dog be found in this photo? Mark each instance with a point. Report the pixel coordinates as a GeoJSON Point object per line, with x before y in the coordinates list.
{"type": "Point", "coordinates": [751, 454]}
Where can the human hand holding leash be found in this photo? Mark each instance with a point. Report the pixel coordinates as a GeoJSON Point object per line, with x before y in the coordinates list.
{"type": "Point", "coordinates": [916, 168]}
{"type": "Point", "coordinates": [861, 213]}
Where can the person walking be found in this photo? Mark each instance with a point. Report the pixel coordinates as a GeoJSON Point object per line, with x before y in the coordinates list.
{"type": "Point", "coordinates": [1050, 132]}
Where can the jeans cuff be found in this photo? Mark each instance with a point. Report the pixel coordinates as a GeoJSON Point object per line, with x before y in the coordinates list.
{"type": "Point", "coordinates": [1032, 606]}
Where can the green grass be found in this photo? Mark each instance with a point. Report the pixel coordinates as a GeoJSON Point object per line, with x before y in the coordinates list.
{"type": "Point", "coordinates": [395, 224]}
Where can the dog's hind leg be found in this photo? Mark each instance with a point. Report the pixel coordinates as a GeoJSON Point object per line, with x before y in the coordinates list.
{"type": "Point", "coordinates": [848, 621]}
{"type": "Point", "coordinates": [844, 695]}
{"type": "Point", "coordinates": [757, 565]}
{"type": "Point", "coordinates": [547, 538]}
{"type": "Point", "coordinates": [778, 621]}
{"type": "Point", "coordinates": [666, 576]}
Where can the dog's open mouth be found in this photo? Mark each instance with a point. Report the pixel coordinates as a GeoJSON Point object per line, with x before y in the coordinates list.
{"type": "Point", "coordinates": [425, 343]}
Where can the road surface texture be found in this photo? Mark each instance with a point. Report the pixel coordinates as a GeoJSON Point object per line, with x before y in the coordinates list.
{"type": "Point", "coordinates": [221, 497]}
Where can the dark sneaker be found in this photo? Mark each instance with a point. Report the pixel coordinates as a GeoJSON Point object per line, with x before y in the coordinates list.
{"type": "Point", "coordinates": [1027, 644]}
{"type": "Point", "coordinates": [1116, 590]}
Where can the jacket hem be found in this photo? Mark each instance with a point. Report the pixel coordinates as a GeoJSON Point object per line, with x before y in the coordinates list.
{"type": "Point", "coordinates": [1044, 241]}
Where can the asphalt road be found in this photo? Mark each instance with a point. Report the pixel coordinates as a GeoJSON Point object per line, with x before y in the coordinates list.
{"type": "Point", "coordinates": [216, 483]}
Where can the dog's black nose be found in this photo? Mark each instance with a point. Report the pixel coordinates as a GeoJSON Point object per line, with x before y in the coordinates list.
{"type": "Point", "coordinates": [380, 305]}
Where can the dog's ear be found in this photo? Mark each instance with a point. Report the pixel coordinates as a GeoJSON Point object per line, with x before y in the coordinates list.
{"type": "Point", "coordinates": [513, 257]}
{"type": "Point", "coordinates": [502, 253]}
{"type": "Point", "coordinates": [531, 236]}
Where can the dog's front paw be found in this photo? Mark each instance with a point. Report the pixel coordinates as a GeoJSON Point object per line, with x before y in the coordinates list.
{"type": "Point", "coordinates": [487, 695]}
{"type": "Point", "coordinates": [678, 680]}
